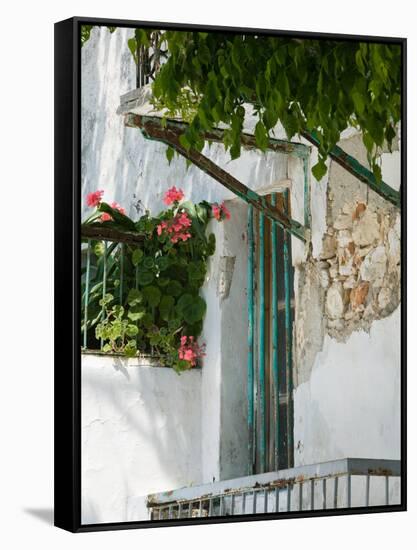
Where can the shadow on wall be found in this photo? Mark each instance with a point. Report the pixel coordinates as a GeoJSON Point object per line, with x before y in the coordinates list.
{"type": "Point", "coordinates": [141, 433]}
{"type": "Point", "coordinates": [109, 160]}
{"type": "Point", "coordinates": [126, 165]}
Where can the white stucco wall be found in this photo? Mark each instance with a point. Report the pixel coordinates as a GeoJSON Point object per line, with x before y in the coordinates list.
{"type": "Point", "coordinates": [129, 167]}
{"type": "Point", "coordinates": [350, 407]}
{"type": "Point", "coordinates": [348, 381]}
{"type": "Point", "coordinates": [126, 165]}
{"type": "Point", "coordinates": [141, 433]}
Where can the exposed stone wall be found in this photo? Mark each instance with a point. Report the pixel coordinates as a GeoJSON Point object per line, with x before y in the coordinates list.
{"type": "Point", "coordinates": [355, 278]}
{"type": "Point", "coordinates": [360, 267]}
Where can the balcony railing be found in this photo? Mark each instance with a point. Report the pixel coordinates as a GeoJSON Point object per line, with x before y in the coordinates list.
{"type": "Point", "coordinates": [346, 483]}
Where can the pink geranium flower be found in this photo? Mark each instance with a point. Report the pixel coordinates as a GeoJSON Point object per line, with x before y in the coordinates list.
{"type": "Point", "coordinates": [173, 195]}
{"type": "Point", "coordinates": [177, 228]}
{"type": "Point", "coordinates": [215, 208]}
{"type": "Point", "coordinates": [190, 350]}
{"type": "Point", "coordinates": [116, 206]}
{"type": "Point", "coordinates": [105, 217]}
{"type": "Point", "coordinates": [94, 199]}
{"type": "Point", "coordinates": [220, 212]}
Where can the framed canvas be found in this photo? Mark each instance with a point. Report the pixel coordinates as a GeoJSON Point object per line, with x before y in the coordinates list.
{"type": "Point", "coordinates": [230, 274]}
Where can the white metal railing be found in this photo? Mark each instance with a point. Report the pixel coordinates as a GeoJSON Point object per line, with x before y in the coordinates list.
{"type": "Point", "coordinates": [345, 483]}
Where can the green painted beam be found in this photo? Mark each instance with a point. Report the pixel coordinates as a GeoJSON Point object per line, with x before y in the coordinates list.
{"type": "Point", "coordinates": [152, 128]}
{"type": "Point", "coordinates": [357, 169]}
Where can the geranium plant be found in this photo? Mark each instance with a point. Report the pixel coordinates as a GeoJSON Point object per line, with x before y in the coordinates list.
{"type": "Point", "coordinates": [152, 302]}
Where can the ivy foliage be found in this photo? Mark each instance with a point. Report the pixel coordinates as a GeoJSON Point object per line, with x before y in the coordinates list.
{"type": "Point", "coordinates": [308, 85]}
{"type": "Point", "coordinates": [86, 31]}
{"type": "Point", "coordinates": [152, 294]}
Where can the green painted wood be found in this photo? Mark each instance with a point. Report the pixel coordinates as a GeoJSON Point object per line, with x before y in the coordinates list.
{"type": "Point", "coordinates": [288, 341]}
{"type": "Point", "coordinates": [261, 350]}
{"type": "Point", "coordinates": [307, 207]}
{"type": "Point", "coordinates": [251, 326]}
{"type": "Point", "coordinates": [275, 366]}
{"type": "Point", "coordinates": [357, 169]}
{"type": "Point", "coordinates": [152, 129]}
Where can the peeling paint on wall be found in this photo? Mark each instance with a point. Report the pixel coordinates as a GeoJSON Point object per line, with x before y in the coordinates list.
{"type": "Point", "coordinates": [355, 278]}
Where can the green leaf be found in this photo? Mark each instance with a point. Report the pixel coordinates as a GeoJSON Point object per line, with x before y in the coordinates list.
{"type": "Point", "coordinates": [99, 248]}
{"type": "Point", "coordinates": [211, 248]}
{"type": "Point", "coordinates": [174, 288]}
{"type": "Point", "coordinates": [130, 348]}
{"type": "Point", "coordinates": [134, 297]}
{"type": "Point", "coordinates": [133, 47]}
{"type": "Point", "coordinates": [132, 330]}
{"type": "Point", "coordinates": [319, 169]}
{"type": "Point", "coordinates": [174, 324]}
{"type": "Point", "coordinates": [137, 255]}
{"type": "Point", "coordinates": [194, 311]}
{"type": "Point", "coordinates": [359, 62]}
{"type": "Point", "coordinates": [152, 295]}
{"type": "Point", "coordinates": [185, 142]}
{"type": "Point", "coordinates": [377, 172]}
{"type": "Point", "coordinates": [169, 153]}
{"type": "Point", "coordinates": [118, 311]}
{"type": "Point", "coordinates": [183, 301]}
{"type": "Point", "coordinates": [261, 136]}
{"type": "Point", "coordinates": [145, 277]}
{"type": "Point", "coordinates": [162, 262]}
{"type": "Point", "coordinates": [148, 262]}
{"type": "Point", "coordinates": [118, 217]}
{"type": "Point", "coordinates": [359, 102]}
{"type": "Point", "coordinates": [166, 306]}
{"type": "Point", "coordinates": [136, 313]}
{"type": "Point", "coordinates": [196, 270]}
{"type": "Point", "coordinates": [107, 298]}
{"type": "Point", "coordinates": [147, 320]}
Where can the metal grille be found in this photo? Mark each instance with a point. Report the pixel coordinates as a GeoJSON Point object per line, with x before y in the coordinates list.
{"type": "Point", "coordinates": [330, 485]}
{"type": "Point", "coordinates": [108, 269]}
{"type": "Point", "coordinates": [150, 58]}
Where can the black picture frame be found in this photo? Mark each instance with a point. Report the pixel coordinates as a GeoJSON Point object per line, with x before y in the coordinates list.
{"type": "Point", "coordinates": [67, 276]}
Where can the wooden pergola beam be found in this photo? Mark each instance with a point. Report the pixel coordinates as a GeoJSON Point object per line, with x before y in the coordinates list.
{"type": "Point", "coordinates": [153, 128]}
{"type": "Point", "coordinates": [110, 234]}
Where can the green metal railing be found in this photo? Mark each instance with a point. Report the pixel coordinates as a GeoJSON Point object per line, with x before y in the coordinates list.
{"type": "Point", "coordinates": [109, 271]}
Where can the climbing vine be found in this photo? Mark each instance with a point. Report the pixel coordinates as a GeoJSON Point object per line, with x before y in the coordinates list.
{"type": "Point", "coordinates": [307, 85]}
{"type": "Point", "coordinates": [151, 301]}
{"type": "Point", "coordinates": [321, 86]}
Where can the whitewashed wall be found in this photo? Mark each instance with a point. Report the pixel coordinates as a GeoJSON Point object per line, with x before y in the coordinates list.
{"type": "Point", "coordinates": [348, 404]}
{"type": "Point", "coordinates": [141, 433]}
{"type": "Point", "coordinates": [128, 167]}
